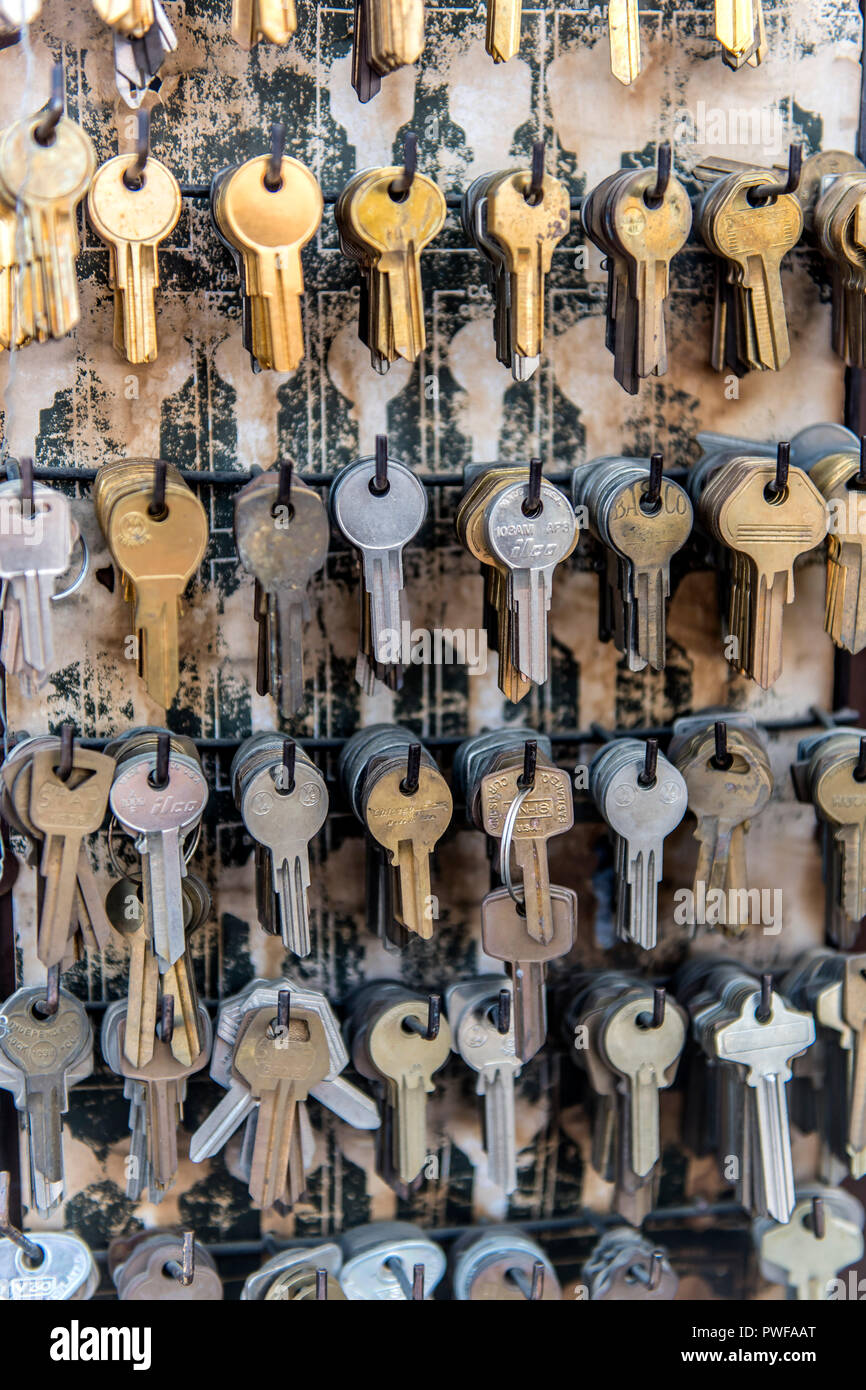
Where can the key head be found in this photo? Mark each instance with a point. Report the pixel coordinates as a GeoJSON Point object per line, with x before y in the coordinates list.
{"type": "Point", "coordinates": [548, 809]}
{"type": "Point", "coordinates": [482, 1265]}
{"type": "Point", "coordinates": [522, 542]}
{"type": "Point", "coordinates": [477, 1037]}
{"type": "Point", "coordinates": [641, 813]}
{"type": "Point", "coordinates": [765, 1049]}
{"type": "Point", "coordinates": [838, 796]}
{"type": "Point", "coordinates": [279, 818]}
{"type": "Point", "coordinates": [376, 523]}
{"type": "Point", "coordinates": [504, 935]}
{"type": "Point", "coordinates": [399, 1054]}
{"type": "Point", "coordinates": [634, 1049]}
{"type": "Point", "coordinates": [145, 1277]}
{"type": "Point", "coordinates": [55, 175]}
{"type": "Point", "coordinates": [263, 221]}
{"type": "Point", "coordinates": [44, 1047]}
{"type": "Point", "coordinates": [279, 555]}
{"type": "Point", "coordinates": [384, 223]}
{"type": "Point", "coordinates": [393, 816]}
{"type": "Point", "coordinates": [795, 1252]}
{"type": "Point", "coordinates": [147, 214]}
{"type": "Point", "coordinates": [163, 1066]}
{"type": "Point", "coordinates": [149, 548]}
{"type": "Point", "coordinates": [772, 532]}
{"type": "Point", "coordinates": [740, 230]}
{"type": "Point", "coordinates": [518, 225]}
{"type": "Point", "coordinates": [649, 537]}
{"type": "Point", "coordinates": [369, 1250]}
{"type": "Point", "coordinates": [734, 793]}
{"type": "Point", "coordinates": [265, 1058]}
{"type": "Point", "coordinates": [56, 807]}
{"type": "Point", "coordinates": [39, 542]}
{"type": "Point", "coordinates": [68, 1270]}
{"type": "Point", "coordinates": [145, 809]}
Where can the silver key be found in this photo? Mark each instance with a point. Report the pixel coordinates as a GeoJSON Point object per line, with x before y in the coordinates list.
{"type": "Point", "coordinates": [137, 61]}
{"type": "Point", "coordinates": [473, 1011]}
{"type": "Point", "coordinates": [34, 552]}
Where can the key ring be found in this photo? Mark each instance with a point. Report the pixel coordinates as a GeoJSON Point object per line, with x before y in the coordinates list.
{"type": "Point", "coordinates": [137, 876]}
{"type": "Point", "coordinates": [79, 578]}
{"type": "Point", "coordinates": [505, 845]}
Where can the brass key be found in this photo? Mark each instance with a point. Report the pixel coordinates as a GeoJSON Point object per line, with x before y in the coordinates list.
{"type": "Point", "coordinates": [273, 20]}
{"type": "Point", "coordinates": [547, 809]}
{"type": "Point", "coordinates": [503, 29]}
{"type": "Point", "coordinates": [132, 221]}
{"type": "Point", "coordinates": [528, 235]}
{"type": "Point", "coordinates": [131, 18]}
{"type": "Point", "coordinates": [623, 24]}
{"type": "Point", "coordinates": [409, 823]}
{"type": "Point", "coordinates": [396, 33]}
{"type": "Point", "coordinates": [406, 1061]}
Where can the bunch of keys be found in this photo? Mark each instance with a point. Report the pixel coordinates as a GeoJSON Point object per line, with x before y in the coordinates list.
{"type": "Point", "coordinates": [481, 1015]}
{"type": "Point", "coordinates": [297, 1273]}
{"type": "Point", "coordinates": [53, 1266]}
{"type": "Point", "coordinates": [379, 505]}
{"type": "Point", "coordinates": [520, 528]}
{"type": "Point", "coordinates": [763, 515]}
{"type": "Point", "coordinates": [841, 480]}
{"type": "Point", "coordinates": [823, 1237]}
{"type": "Point", "coordinates": [133, 204]}
{"type": "Point", "coordinates": [156, 1091]}
{"type": "Point", "coordinates": [628, 1038]}
{"type": "Point", "coordinates": [272, 20]}
{"type": "Point", "coordinates": [626, 1267]}
{"type": "Point", "coordinates": [501, 1263]}
{"type": "Point", "coordinates": [56, 794]}
{"type": "Point", "coordinates": [516, 218]}
{"type": "Point", "coordinates": [752, 1034]}
{"type": "Point", "coordinates": [398, 1040]}
{"type": "Point", "coordinates": [282, 535]}
{"type": "Point", "coordinates": [387, 34]}
{"type": "Point", "coordinates": [276, 1044]}
{"type": "Point", "coordinates": [726, 767]}
{"type": "Point", "coordinates": [642, 797]}
{"type": "Point", "coordinates": [283, 800]}
{"type": "Point", "coordinates": [385, 218]}
{"type": "Point", "coordinates": [750, 224]}
{"type": "Point", "coordinates": [46, 164]}
{"type": "Point", "coordinates": [639, 219]}
{"type": "Point", "coordinates": [829, 772]}
{"type": "Point", "coordinates": [38, 536]}
{"type": "Point", "coordinates": [400, 796]}
{"type": "Point", "coordinates": [165, 1266]}
{"type": "Point", "coordinates": [740, 30]}
{"type": "Point", "coordinates": [642, 519]}
{"type": "Point", "coordinates": [830, 1098]}
{"type": "Point", "coordinates": [157, 532]}
{"type": "Point", "coordinates": [46, 1047]}
{"type": "Point", "coordinates": [838, 226]}
{"type": "Point", "coordinates": [265, 211]}
{"type": "Point", "coordinates": [140, 52]}
{"type": "Point", "coordinates": [158, 798]}
{"type": "Point", "coordinates": [390, 1261]}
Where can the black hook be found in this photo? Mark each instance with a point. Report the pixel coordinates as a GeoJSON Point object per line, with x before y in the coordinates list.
{"type": "Point", "coordinates": [657, 1017]}
{"type": "Point", "coordinates": [184, 1270]}
{"type": "Point", "coordinates": [859, 773]}
{"type": "Point", "coordinates": [25, 473]}
{"type": "Point", "coordinates": [166, 1018]}
{"type": "Point", "coordinates": [51, 1003]}
{"type": "Point", "coordinates": [654, 197]}
{"type": "Point", "coordinates": [159, 777]}
{"type": "Point", "coordinates": [532, 503]}
{"type": "Point", "coordinates": [67, 751]}
{"type": "Point", "coordinates": [321, 1286]}
{"type": "Point", "coordinates": [400, 187]}
{"type": "Point", "coordinates": [655, 1270]}
{"type": "Point", "coordinates": [286, 775]}
{"type": "Point", "coordinates": [535, 192]}
{"type": "Point", "coordinates": [764, 1011]}
{"type": "Point", "coordinates": [721, 759]}
{"type": "Point", "coordinates": [133, 175]}
{"type": "Point", "coordinates": [284, 1010]}
{"type": "Point", "coordinates": [380, 485]}
{"type": "Point", "coordinates": [652, 497]}
{"type": "Point", "coordinates": [783, 463]}
{"type": "Point", "coordinates": [418, 1283]}
{"type": "Point", "coordinates": [503, 1011]}
{"type": "Point", "coordinates": [532, 1292]}
{"type": "Point", "coordinates": [530, 760]}
{"type": "Point", "coordinates": [273, 179]}
{"type": "Point", "coordinates": [764, 191]}
{"type": "Point", "coordinates": [429, 1031]}
{"type": "Point", "coordinates": [33, 1252]}
{"type": "Point", "coordinates": [43, 133]}
{"type": "Point", "coordinates": [284, 486]}
{"type": "Point", "coordinates": [409, 785]}
{"type": "Point", "coordinates": [647, 778]}
{"type": "Point", "coordinates": [156, 507]}
{"type": "Point", "coordinates": [819, 1220]}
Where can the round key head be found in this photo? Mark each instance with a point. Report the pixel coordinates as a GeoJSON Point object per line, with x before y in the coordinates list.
{"type": "Point", "coordinates": [67, 1271]}
{"type": "Point", "coordinates": [633, 1048]}
{"type": "Point", "coordinates": [285, 551]}
{"type": "Point", "coordinates": [40, 1044]}
{"type": "Point", "coordinates": [378, 522]}
{"type": "Point", "coordinates": [636, 811]}
{"type": "Point", "coordinates": [156, 1281]}
{"type": "Point", "coordinates": [524, 541]}
{"type": "Point", "coordinates": [142, 807]}
{"type": "Point", "coordinates": [649, 535]}
{"type": "Point", "coordinates": [398, 1053]}
{"type": "Point", "coordinates": [257, 218]}
{"type": "Point", "coordinates": [369, 1253]}
{"type": "Point", "coordinates": [394, 816]}
{"type": "Point", "coordinates": [386, 223]}
{"type": "Point", "coordinates": [120, 213]}
{"type": "Point", "coordinates": [301, 1283]}
{"type": "Point", "coordinates": [281, 818]}
{"type": "Point", "coordinates": [478, 1039]}
{"type": "Point", "coordinates": [46, 174]}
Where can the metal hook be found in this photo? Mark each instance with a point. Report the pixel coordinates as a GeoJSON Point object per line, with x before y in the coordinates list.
{"type": "Point", "coordinates": [664, 164]}
{"type": "Point", "coordinates": [535, 192]}
{"type": "Point", "coordinates": [133, 175]}
{"type": "Point", "coordinates": [532, 503]}
{"type": "Point", "coordinates": [721, 759]}
{"type": "Point", "coordinates": [380, 485]}
{"type": "Point", "coordinates": [34, 1253]}
{"type": "Point", "coordinates": [284, 1008]}
{"type": "Point", "coordinates": [652, 498]}
{"type": "Point", "coordinates": [166, 1019]}
{"type": "Point", "coordinates": [284, 486]}
{"type": "Point", "coordinates": [652, 1277]}
{"type": "Point", "coordinates": [156, 506]}
{"type": "Point", "coordinates": [657, 1017]}
{"type": "Point", "coordinates": [861, 471]}
{"type": "Point", "coordinates": [409, 785]}
{"type": "Point", "coordinates": [526, 780]}
{"type": "Point", "coordinates": [764, 191]}
{"type": "Point", "coordinates": [159, 777]}
{"type": "Point", "coordinates": [321, 1286]}
{"type": "Point", "coordinates": [400, 187]}
{"type": "Point", "coordinates": [503, 1011]}
{"type": "Point", "coordinates": [51, 1003]}
{"type": "Point", "coordinates": [764, 1011]}
{"type": "Point", "coordinates": [429, 1031]}
{"type": "Point", "coordinates": [532, 1292]}
{"type": "Point", "coordinates": [417, 1283]}
{"type": "Point", "coordinates": [184, 1270]}
{"type": "Point", "coordinates": [819, 1220]}
{"type": "Point", "coordinates": [273, 179]}
{"type": "Point", "coordinates": [413, 1291]}
{"type": "Point", "coordinates": [859, 773]}
{"type": "Point", "coordinates": [286, 773]}
{"type": "Point", "coordinates": [783, 463]}
{"type": "Point", "coordinates": [43, 133]}
{"type": "Point", "coordinates": [67, 750]}
{"type": "Point", "coordinates": [647, 778]}
{"type": "Point", "coordinates": [25, 473]}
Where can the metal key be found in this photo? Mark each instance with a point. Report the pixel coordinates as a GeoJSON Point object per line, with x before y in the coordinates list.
{"type": "Point", "coordinates": [504, 936]}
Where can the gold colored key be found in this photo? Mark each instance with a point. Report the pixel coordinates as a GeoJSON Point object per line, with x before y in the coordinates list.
{"type": "Point", "coordinates": [130, 18]}
{"type": "Point", "coordinates": [273, 20]}
{"type": "Point", "coordinates": [407, 1061]}
{"type": "Point", "coordinates": [624, 33]}
{"type": "Point", "coordinates": [546, 810]}
{"type": "Point", "coordinates": [503, 29]}
{"type": "Point", "coordinates": [527, 234]}
{"type": "Point", "coordinates": [396, 33]}
{"type": "Point", "coordinates": [132, 221]}
{"type": "Point", "coordinates": [269, 227]}
{"type": "Point", "coordinates": [409, 824]}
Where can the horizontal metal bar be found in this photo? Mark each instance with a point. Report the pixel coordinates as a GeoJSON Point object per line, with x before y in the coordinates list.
{"type": "Point", "coordinates": [453, 201]}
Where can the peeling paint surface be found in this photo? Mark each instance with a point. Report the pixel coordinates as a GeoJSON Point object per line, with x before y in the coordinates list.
{"type": "Point", "coordinates": [76, 403]}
